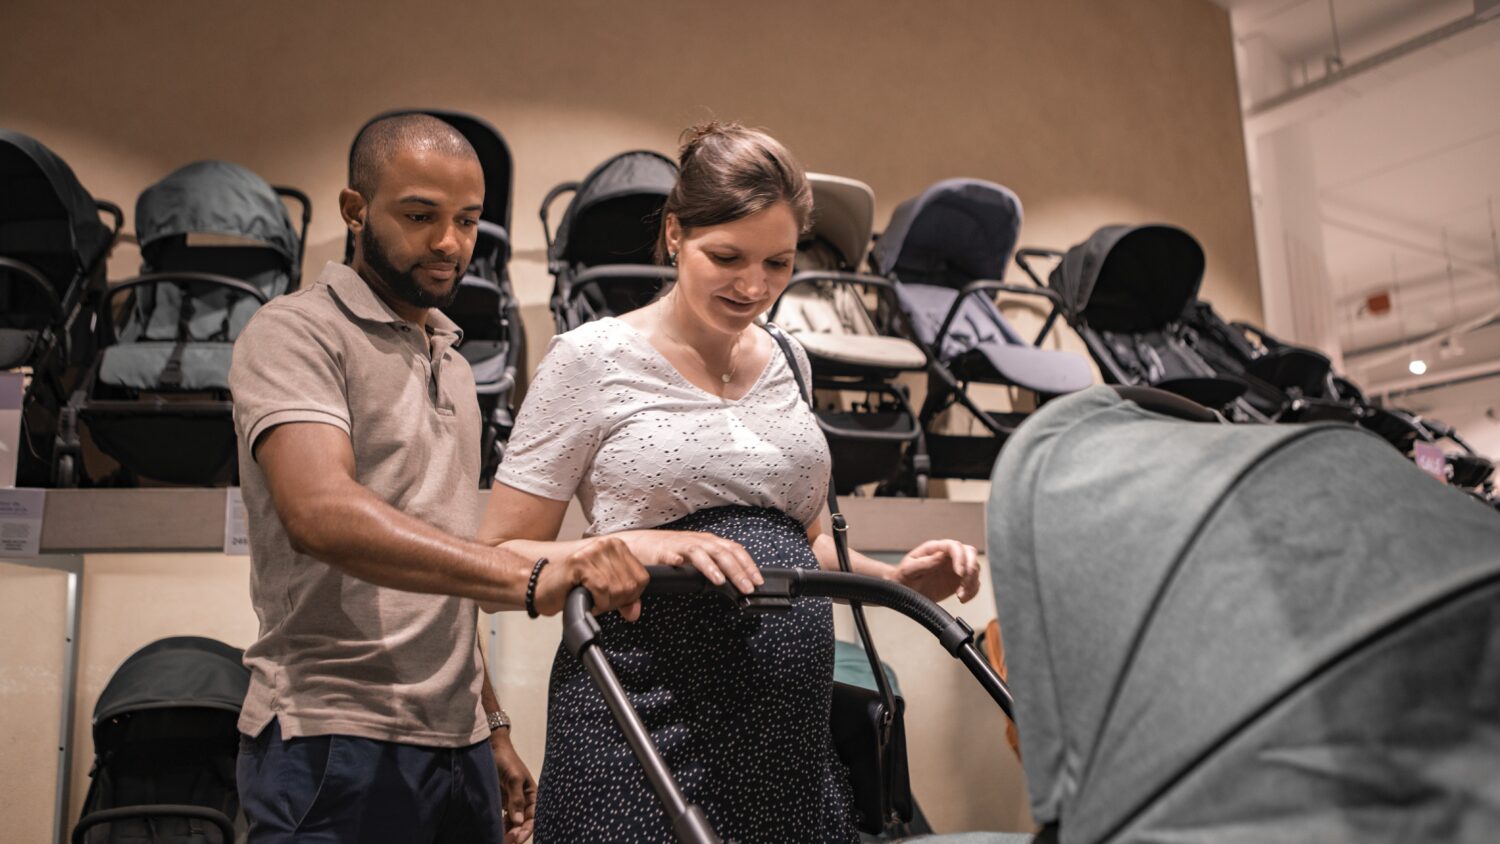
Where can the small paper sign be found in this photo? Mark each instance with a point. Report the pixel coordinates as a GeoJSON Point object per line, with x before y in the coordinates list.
{"type": "Point", "coordinates": [21, 522]}
{"type": "Point", "coordinates": [236, 524]}
{"type": "Point", "coordinates": [12, 391]}
{"type": "Point", "coordinates": [1430, 459]}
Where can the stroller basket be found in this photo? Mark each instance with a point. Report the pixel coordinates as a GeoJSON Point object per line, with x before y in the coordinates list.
{"type": "Point", "coordinates": [580, 632]}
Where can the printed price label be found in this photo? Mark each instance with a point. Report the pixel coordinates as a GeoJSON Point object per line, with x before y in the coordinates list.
{"type": "Point", "coordinates": [236, 524]}
{"type": "Point", "coordinates": [21, 521]}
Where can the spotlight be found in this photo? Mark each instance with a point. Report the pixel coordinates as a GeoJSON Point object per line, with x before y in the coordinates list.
{"type": "Point", "coordinates": [1417, 366]}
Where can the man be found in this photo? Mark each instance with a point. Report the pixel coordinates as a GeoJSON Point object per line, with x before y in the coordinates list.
{"type": "Point", "coordinates": [370, 716]}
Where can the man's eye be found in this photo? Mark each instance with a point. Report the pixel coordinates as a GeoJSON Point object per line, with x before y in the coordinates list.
{"type": "Point", "coordinates": [419, 218]}
{"type": "Point", "coordinates": [469, 222]}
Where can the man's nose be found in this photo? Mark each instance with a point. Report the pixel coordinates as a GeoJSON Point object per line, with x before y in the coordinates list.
{"type": "Point", "coordinates": [446, 240]}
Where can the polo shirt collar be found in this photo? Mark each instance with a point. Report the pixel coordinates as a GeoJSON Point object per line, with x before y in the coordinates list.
{"type": "Point", "coordinates": [361, 301]}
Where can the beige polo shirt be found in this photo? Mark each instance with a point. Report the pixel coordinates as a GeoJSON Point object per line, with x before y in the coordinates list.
{"type": "Point", "coordinates": [339, 655]}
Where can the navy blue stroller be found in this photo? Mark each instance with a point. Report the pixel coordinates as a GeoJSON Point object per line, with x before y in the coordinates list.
{"type": "Point", "coordinates": [486, 308]}
{"type": "Point", "coordinates": [603, 256]}
{"type": "Point", "coordinates": [165, 742]}
{"type": "Point", "coordinates": [216, 244]}
{"type": "Point", "coordinates": [52, 251]}
{"type": "Point", "coordinates": [946, 250]}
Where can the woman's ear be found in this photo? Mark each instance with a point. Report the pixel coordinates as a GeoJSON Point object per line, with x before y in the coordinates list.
{"type": "Point", "coordinates": [673, 234]}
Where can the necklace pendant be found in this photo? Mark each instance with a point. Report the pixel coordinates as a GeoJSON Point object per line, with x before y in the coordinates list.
{"type": "Point", "coordinates": [727, 377]}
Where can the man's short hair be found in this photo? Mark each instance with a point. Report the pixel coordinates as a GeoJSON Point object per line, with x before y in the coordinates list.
{"type": "Point", "coordinates": [381, 140]}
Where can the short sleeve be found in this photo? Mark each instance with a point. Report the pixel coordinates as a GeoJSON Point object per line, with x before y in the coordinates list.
{"type": "Point", "coordinates": [286, 368]}
{"type": "Point", "coordinates": [558, 428]}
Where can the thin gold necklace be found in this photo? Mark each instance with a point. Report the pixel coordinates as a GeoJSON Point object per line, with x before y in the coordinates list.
{"type": "Point", "coordinates": [734, 364]}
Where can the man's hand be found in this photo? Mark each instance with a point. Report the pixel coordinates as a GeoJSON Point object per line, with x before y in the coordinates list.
{"type": "Point", "coordinates": [939, 568]}
{"type": "Point", "coordinates": [517, 788]}
{"type": "Point", "coordinates": [607, 567]}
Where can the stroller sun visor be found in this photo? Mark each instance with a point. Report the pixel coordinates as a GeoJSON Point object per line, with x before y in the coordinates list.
{"type": "Point", "coordinates": [955, 232]}
{"type": "Point", "coordinates": [182, 671]}
{"type": "Point", "coordinates": [215, 197]}
{"type": "Point", "coordinates": [843, 217]}
{"type": "Point", "coordinates": [615, 215]}
{"type": "Point", "coordinates": [1130, 278]}
{"type": "Point", "coordinates": [1244, 632]}
{"type": "Point", "coordinates": [44, 208]}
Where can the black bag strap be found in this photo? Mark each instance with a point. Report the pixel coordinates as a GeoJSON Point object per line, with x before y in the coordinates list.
{"type": "Point", "coordinates": [841, 545]}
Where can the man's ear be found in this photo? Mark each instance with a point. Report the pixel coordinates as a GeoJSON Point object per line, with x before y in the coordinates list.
{"type": "Point", "coordinates": [353, 208]}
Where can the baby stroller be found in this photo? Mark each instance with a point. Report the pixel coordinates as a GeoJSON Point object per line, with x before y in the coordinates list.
{"type": "Point", "coordinates": [874, 439]}
{"type": "Point", "coordinates": [165, 742]}
{"type": "Point", "coordinates": [485, 308]}
{"type": "Point", "coordinates": [1231, 669]}
{"type": "Point", "coordinates": [946, 250]}
{"type": "Point", "coordinates": [52, 251]}
{"type": "Point", "coordinates": [1131, 294]}
{"type": "Point", "coordinates": [603, 259]}
{"type": "Point", "coordinates": [216, 244]}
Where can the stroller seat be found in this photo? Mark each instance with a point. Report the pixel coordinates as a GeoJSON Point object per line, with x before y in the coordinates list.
{"type": "Point", "coordinates": [833, 327]}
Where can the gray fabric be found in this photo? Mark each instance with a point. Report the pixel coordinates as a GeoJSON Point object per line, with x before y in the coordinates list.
{"type": "Point", "coordinates": [215, 197]}
{"type": "Point", "coordinates": [583, 234]}
{"type": "Point", "coordinates": [1184, 606]}
{"type": "Point", "coordinates": [972, 838]}
{"type": "Point", "coordinates": [16, 345]}
{"type": "Point", "coordinates": [40, 185]}
{"type": "Point", "coordinates": [955, 232]}
{"type": "Point", "coordinates": [979, 326]}
{"type": "Point", "coordinates": [843, 218]}
{"type": "Point", "coordinates": [144, 366]}
{"type": "Point", "coordinates": [851, 666]}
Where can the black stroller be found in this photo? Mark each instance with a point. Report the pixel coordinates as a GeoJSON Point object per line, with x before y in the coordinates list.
{"type": "Point", "coordinates": [603, 257]}
{"type": "Point", "coordinates": [946, 250]}
{"type": "Point", "coordinates": [876, 439]}
{"type": "Point", "coordinates": [1278, 641]}
{"type": "Point", "coordinates": [485, 308]}
{"type": "Point", "coordinates": [216, 244]}
{"type": "Point", "coordinates": [52, 251]}
{"type": "Point", "coordinates": [165, 742]}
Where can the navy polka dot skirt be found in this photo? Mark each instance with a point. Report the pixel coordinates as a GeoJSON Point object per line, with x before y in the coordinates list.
{"type": "Point", "coordinates": [737, 704]}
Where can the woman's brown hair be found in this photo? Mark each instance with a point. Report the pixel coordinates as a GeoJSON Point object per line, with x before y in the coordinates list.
{"type": "Point", "coordinates": [729, 172]}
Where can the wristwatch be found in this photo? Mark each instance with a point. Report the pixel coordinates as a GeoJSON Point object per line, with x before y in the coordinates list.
{"type": "Point", "coordinates": [498, 719]}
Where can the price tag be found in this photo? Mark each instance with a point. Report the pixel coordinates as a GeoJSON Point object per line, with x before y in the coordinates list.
{"type": "Point", "coordinates": [1430, 459]}
{"type": "Point", "coordinates": [21, 522]}
{"type": "Point", "coordinates": [236, 524]}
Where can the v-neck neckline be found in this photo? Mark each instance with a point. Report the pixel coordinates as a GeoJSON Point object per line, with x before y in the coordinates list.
{"type": "Point", "coordinates": [677, 373]}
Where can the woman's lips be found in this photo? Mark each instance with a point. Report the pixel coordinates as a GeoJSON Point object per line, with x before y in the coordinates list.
{"type": "Point", "coordinates": [738, 306]}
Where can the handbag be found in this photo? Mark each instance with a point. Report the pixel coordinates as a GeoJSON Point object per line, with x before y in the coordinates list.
{"type": "Point", "coordinates": [869, 732]}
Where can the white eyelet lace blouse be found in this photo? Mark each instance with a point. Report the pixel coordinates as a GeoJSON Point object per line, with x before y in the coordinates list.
{"type": "Point", "coordinates": [608, 418]}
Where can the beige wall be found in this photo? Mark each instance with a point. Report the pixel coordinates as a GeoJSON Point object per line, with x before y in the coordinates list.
{"type": "Point", "coordinates": [1094, 111]}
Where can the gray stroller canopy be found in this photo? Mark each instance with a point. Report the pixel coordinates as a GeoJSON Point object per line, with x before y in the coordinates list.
{"type": "Point", "coordinates": [1239, 633]}
{"type": "Point", "coordinates": [215, 197]}
{"type": "Point", "coordinates": [43, 207]}
{"type": "Point", "coordinates": [181, 671]}
{"type": "Point", "coordinates": [955, 232]}
{"type": "Point", "coordinates": [614, 217]}
{"type": "Point", "coordinates": [1130, 278]}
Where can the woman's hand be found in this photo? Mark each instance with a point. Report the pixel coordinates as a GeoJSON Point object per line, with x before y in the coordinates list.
{"type": "Point", "coordinates": [939, 568]}
{"type": "Point", "coordinates": [716, 558]}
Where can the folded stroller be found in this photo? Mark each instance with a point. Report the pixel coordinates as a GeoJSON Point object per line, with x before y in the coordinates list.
{"type": "Point", "coordinates": [946, 250]}
{"type": "Point", "coordinates": [1230, 668]}
{"type": "Point", "coordinates": [52, 251]}
{"type": "Point", "coordinates": [602, 258]}
{"type": "Point", "coordinates": [165, 742]}
{"type": "Point", "coordinates": [876, 439]}
{"type": "Point", "coordinates": [216, 244]}
{"type": "Point", "coordinates": [486, 308]}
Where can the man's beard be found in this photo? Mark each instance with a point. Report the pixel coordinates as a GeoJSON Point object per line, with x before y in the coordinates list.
{"type": "Point", "coordinates": [404, 283]}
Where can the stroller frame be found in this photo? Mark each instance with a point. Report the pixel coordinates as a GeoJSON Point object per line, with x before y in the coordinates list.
{"type": "Point", "coordinates": [581, 633]}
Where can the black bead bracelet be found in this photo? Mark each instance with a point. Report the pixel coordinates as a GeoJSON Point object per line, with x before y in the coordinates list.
{"type": "Point", "coordinates": [536, 573]}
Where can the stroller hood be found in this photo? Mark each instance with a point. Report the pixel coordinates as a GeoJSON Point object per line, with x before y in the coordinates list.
{"type": "Point", "coordinates": [215, 197]}
{"type": "Point", "coordinates": [1244, 632]}
{"type": "Point", "coordinates": [955, 232]}
{"type": "Point", "coordinates": [1130, 278]}
{"type": "Point", "coordinates": [843, 218]}
{"type": "Point", "coordinates": [181, 671]}
{"type": "Point", "coordinates": [614, 216]}
{"type": "Point", "coordinates": [43, 205]}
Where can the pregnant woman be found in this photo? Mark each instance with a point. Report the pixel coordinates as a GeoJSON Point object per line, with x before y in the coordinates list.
{"type": "Point", "coordinates": [682, 432]}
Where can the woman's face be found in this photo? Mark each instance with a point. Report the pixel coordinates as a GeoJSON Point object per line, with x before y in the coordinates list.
{"type": "Point", "coordinates": [731, 273]}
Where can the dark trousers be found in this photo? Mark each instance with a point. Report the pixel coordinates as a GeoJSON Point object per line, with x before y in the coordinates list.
{"type": "Point", "coordinates": [346, 789]}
